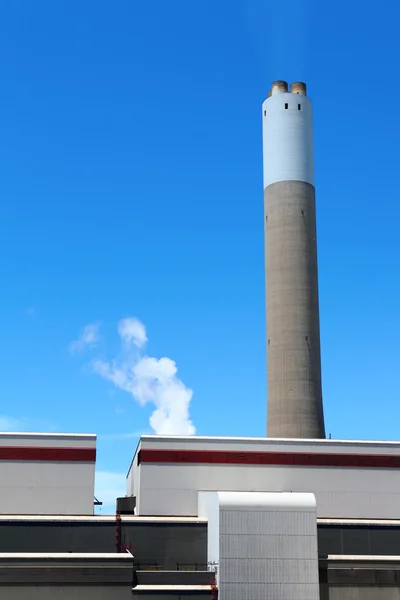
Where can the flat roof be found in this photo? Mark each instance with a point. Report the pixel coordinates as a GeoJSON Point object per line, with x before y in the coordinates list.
{"type": "Point", "coordinates": [160, 588]}
{"type": "Point", "coordinates": [28, 435]}
{"type": "Point", "coordinates": [358, 522]}
{"type": "Point", "coordinates": [65, 555]}
{"type": "Point", "coordinates": [302, 441]}
{"type": "Point", "coordinates": [219, 451]}
{"type": "Point", "coordinates": [361, 558]}
{"type": "Point", "coordinates": [100, 519]}
{"type": "Point", "coordinates": [171, 519]}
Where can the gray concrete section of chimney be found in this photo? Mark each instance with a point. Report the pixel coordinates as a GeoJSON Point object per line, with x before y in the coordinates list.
{"type": "Point", "coordinates": [295, 408]}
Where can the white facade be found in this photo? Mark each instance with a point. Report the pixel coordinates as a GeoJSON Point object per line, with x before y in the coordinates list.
{"type": "Point", "coordinates": [45, 474]}
{"type": "Point", "coordinates": [342, 492]}
{"type": "Point", "coordinates": [288, 147]}
{"type": "Point", "coordinates": [264, 545]}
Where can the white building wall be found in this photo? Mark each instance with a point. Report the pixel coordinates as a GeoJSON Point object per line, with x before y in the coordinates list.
{"type": "Point", "coordinates": [46, 488]}
{"type": "Point", "coordinates": [133, 482]}
{"type": "Point", "coordinates": [46, 480]}
{"type": "Point", "coordinates": [209, 509]}
{"type": "Point", "coordinates": [267, 544]}
{"type": "Point", "coordinates": [363, 493]}
{"type": "Point", "coordinates": [340, 493]}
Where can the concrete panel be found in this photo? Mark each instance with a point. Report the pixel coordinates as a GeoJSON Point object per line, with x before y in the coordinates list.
{"type": "Point", "coordinates": [293, 332]}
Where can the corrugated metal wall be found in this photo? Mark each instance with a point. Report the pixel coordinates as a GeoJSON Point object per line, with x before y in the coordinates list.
{"type": "Point", "coordinates": [363, 593]}
{"type": "Point", "coordinates": [31, 576]}
{"type": "Point", "coordinates": [279, 545]}
{"type": "Point", "coordinates": [358, 540]}
{"type": "Point", "coordinates": [72, 592]}
{"type": "Point", "coordinates": [365, 583]}
{"type": "Point", "coordinates": [164, 544]}
{"type": "Point", "coordinates": [169, 544]}
{"type": "Point", "coordinates": [268, 546]}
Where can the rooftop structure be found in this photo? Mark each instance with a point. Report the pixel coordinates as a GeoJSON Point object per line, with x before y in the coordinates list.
{"type": "Point", "coordinates": [350, 479]}
{"type": "Point", "coordinates": [47, 473]}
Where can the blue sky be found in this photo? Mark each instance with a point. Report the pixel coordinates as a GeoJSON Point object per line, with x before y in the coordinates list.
{"type": "Point", "coordinates": [131, 186]}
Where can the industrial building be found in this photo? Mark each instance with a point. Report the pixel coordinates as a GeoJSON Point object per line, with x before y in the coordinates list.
{"type": "Point", "coordinates": [292, 516]}
{"type": "Point", "coordinates": [207, 516]}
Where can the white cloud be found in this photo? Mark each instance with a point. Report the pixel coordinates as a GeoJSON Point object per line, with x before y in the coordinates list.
{"type": "Point", "coordinates": [132, 331]}
{"type": "Point", "coordinates": [88, 338]}
{"type": "Point", "coordinates": [149, 380]}
{"type": "Point", "coordinates": [108, 487]}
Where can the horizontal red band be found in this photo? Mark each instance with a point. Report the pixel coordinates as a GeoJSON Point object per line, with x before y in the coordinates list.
{"type": "Point", "coordinates": [33, 453]}
{"type": "Point", "coordinates": [294, 459]}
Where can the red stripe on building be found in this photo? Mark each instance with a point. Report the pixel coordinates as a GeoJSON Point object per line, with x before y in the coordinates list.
{"type": "Point", "coordinates": [35, 453]}
{"type": "Point", "coordinates": [291, 459]}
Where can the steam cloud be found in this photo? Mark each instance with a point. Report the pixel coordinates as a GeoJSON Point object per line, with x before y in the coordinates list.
{"type": "Point", "coordinates": [132, 331]}
{"type": "Point", "coordinates": [88, 339]}
{"type": "Point", "coordinates": [281, 35]}
{"type": "Point", "coordinates": [149, 379]}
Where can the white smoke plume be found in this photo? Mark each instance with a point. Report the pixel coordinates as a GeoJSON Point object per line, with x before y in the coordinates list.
{"type": "Point", "coordinates": [281, 34]}
{"type": "Point", "coordinates": [149, 379]}
{"type": "Point", "coordinates": [88, 338]}
{"type": "Point", "coordinates": [132, 331]}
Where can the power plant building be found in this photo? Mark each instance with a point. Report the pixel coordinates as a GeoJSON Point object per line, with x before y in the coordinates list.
{"type": "Point", "coordinates": [292, 516]}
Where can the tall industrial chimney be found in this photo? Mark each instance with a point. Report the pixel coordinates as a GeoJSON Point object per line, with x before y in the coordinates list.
{"type": "Point", "coordinates": [295, 407]}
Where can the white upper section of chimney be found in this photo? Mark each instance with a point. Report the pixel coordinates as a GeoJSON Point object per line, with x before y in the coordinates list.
{"type": "Point", "coordinates": [288, 148]}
